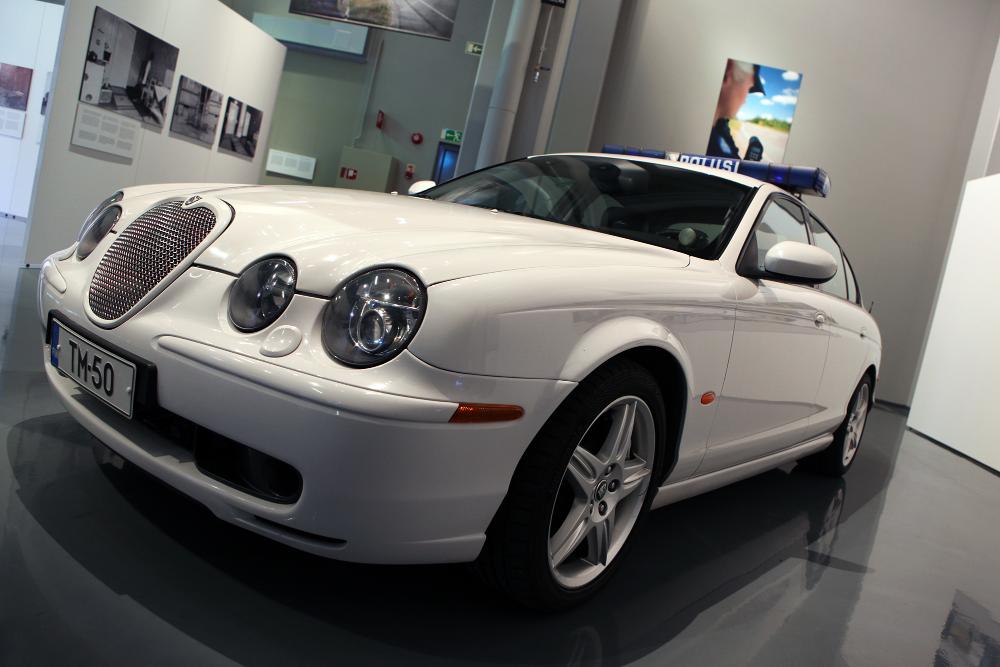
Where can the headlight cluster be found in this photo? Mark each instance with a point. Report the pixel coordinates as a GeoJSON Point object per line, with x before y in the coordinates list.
{"type": "Point", "coordinates": [370, 319]}
{"type": "Point", "coordinates": [373, 316]}
{"type": "Point", "coordinates": [98, 224]}
{"type": "Point", "coordinates": [261, 294]}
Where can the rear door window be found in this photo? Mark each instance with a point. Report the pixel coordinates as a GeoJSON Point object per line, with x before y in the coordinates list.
{"type": "Point", "coordinates": [852, 282]}
{"type": "Point", "coordinates": [837, 286]}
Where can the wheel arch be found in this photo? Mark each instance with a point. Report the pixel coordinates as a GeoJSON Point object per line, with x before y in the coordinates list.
{"type": "Point", "coordinates": [673, 382]}
{"type": "Point", "coordinates": [655, 348]}
{"type": "Point", "coordinates": [872, 373]}
{"type": "Point", "coordinates": [618, 336]}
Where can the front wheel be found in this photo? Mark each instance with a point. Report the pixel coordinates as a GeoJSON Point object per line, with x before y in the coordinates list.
{"type": "Point", "coordinates": [837, 458]}
{"type": "Point", "coordinates": [580, 491]}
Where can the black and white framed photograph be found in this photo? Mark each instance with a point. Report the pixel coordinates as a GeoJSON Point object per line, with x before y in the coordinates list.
{"type": "Point", "coordinates": [428, 18]}
{"type": "Point", "coordinates": [15, 84]}
{"type": "Point", "coordinates": [196, 111]}
{"type": "Point", "coordinates": [240, 128]}
{"type": "Point", "coordinates": [127, 70]}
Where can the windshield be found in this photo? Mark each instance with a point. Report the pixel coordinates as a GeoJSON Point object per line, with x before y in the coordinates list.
{"type": "Point", "coordinates": [666, 206]}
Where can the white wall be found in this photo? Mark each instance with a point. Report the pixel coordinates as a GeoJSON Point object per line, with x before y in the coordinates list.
{"type": "Point", "coordinates": [955, 399]}
{"type": "Point", "coordinates": [422, 85]}
{"type": "Point", "coordinates": [985, 151]}
{"type": "Point", "coordinates": [993, 167]}
{"type": "Point", "coordinates": [533, 106]}
{"type": "Point", "coordinates": [218, 48]}
{"type": "Point", "coordinates": [482, 90]}
{"type": "Point", "coordinates": [889, 101]}
{"type": "Point", "coordinates": [30, 39]}
{"type": "Point", "coordinates": [556, 114]}
{"type": "Point", "coordinates": [580, 88]}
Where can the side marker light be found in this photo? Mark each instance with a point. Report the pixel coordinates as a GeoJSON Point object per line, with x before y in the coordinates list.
{"type": "Point", "coordinates": [482, 413]}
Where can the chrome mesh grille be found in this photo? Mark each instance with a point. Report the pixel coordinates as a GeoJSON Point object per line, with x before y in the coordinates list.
{"type": "Point", "coordinates": [144, 254]}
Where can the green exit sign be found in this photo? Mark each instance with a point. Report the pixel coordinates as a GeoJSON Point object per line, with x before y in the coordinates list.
{"type": "Point", "coordinates": [474, 48]}
{"type": "Point", "coordinates": [451, 136]}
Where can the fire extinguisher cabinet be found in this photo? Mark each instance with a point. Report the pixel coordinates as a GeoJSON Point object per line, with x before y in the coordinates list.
{"type": "Point", "coordinates": [361, 169]}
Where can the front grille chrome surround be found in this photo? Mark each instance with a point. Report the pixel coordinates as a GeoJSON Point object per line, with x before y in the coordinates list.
{"type": "Point", "coordinates": [149, 253]}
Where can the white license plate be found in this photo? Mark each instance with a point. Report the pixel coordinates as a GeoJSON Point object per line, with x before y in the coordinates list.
{"type": "Point", "coordinates": [104, 374]}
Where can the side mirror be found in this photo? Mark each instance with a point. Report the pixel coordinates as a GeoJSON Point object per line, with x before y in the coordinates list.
{"type": "Point", "coordinates": [800, 262]}
{"type": "Point", "coordinates": [420, 186]}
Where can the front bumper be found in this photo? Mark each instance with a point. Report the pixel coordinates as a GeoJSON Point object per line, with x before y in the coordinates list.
{"type": "Point", "coordinates": [386, 478]}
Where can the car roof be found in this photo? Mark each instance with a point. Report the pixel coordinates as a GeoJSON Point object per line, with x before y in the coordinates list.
{"type": "Point", "coordinates": [711, 171]}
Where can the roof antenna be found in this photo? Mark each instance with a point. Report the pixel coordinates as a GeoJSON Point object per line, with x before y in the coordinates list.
{"type": "Point", "coordinates": [871, 306]}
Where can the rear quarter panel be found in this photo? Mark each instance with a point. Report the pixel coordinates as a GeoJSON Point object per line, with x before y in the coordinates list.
{"type": "Point", "coordinates": [855, 346]}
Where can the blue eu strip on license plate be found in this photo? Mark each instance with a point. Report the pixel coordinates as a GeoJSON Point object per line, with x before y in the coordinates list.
{"type": "Point", "coordinates": [54, 342]}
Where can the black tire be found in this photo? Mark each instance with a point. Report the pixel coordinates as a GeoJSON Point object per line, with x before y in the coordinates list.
{"type": "Point", "coordinates": [830, 461]}
{"type": "Point", "coordinates": [515, 558]}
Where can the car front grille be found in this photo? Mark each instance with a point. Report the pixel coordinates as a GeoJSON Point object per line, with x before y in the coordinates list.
{"type": "Point", "coordinates": [144, 254]}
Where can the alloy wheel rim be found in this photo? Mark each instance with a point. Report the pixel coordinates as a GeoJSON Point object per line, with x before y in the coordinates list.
{"type": "Point", "coordinates": [856, 424]}
{"type": "Point", "coordinates": [602, 491]}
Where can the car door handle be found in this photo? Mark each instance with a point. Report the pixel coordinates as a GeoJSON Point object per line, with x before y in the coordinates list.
{"type": "Point", "coordinates": [820, 319]}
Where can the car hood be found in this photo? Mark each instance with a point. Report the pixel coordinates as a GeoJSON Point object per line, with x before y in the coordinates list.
{"type": "Point", "coordinates": [332, 233]}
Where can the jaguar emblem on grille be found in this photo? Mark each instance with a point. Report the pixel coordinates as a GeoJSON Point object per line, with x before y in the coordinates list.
{"type": "Point", "coordinates": [191, 201]}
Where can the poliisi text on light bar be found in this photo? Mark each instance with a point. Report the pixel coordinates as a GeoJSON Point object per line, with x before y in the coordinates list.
{"type": "Point", "coordinates": [801, 180]}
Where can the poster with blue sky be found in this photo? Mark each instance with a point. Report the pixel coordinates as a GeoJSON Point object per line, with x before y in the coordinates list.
{"type": "Point", "coordinates": [754, 114]}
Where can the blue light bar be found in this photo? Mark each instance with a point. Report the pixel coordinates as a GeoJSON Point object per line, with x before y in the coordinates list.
{"type": "Point", "coordinates": [800, 180]}
{"type": "Point", "coordinates": [632, 150]}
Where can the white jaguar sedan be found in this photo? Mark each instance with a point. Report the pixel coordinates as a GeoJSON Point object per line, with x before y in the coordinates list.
{"type": "Point", "coordinates": [509, 368]}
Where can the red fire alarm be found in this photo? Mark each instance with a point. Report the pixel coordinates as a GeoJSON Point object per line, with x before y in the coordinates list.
{"type": "Point", "coordinates": [417, 138]}
{"type": "Point", "coordinates": [380, 119]}
{"type": "Point", "coordinates": [410, 170]}
{"type": "Point", "coordinates": [349, 173]}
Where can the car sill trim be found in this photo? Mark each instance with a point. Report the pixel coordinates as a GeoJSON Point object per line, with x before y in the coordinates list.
{"type": "Point", "coordinates": [677, 491]}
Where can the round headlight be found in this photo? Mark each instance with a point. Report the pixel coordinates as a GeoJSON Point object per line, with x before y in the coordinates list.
{"type": "Point", "coordinates": [113, 199]}
{"type": "Point", "coordinates": [97, 230]}
{"type": "Point", "coordinates": [261, 294]}
{"type": "Point", "coordinates": [373, 316]}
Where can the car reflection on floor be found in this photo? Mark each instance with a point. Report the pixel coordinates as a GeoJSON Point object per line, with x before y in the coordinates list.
{"type": "Point", "coordinates": [971, 635]}
{"type": "Point", "coordinates": [764, 545]}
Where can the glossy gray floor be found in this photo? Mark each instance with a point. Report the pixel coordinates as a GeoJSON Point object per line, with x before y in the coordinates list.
{"type": "Point", "coordinates": [896, 564]}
